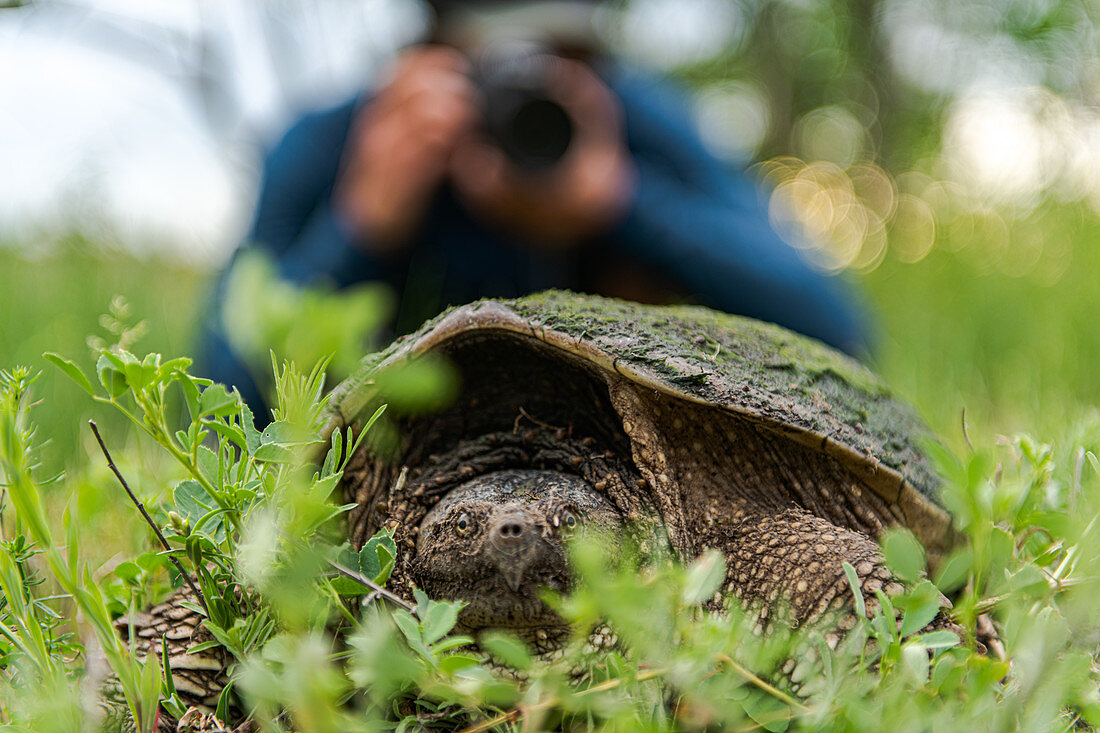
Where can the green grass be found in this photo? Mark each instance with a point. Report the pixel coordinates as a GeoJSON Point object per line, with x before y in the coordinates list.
{"type": "Point", "coordinates": [52, 298]}
{"type": "Point", "coordinates": [1017, 350]}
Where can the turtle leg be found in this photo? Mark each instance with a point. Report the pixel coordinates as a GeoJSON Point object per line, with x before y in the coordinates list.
{"type": "Point", "coordinates": [790, 563]}
{"type": "Point", "coordinates": [198, 678]}
{"type": "Point", "coordinates": [788, 567]}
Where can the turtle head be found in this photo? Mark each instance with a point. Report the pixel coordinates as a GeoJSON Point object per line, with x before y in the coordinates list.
{"type": "Point", "coordinates": [494, 541]}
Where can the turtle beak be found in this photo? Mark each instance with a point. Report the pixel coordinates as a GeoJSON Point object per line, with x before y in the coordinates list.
{"type": "Point", "coordinates": [513, 540]}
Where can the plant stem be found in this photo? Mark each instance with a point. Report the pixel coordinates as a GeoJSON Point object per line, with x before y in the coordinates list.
{"type": "Point", "coordinates": [360, 578]}
{"type": "Point", "coordinates": [149, 520]}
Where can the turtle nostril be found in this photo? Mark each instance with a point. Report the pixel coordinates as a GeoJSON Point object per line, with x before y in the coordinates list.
{"type": "Point", "coordinates": [512, 532]}
{"type": "Point", "coordinates": [511, 529]}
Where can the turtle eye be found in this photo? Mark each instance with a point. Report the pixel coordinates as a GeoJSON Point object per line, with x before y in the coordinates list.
{"type": "Point", "coordinates": [462, 526]}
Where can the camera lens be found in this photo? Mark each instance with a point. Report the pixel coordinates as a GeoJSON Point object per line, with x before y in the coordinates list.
{"type": "Point", "coordinates": [532, 129]}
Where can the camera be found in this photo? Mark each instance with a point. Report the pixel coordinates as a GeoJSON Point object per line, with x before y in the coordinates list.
{"type": "Point", "coordinates": [518, 114]}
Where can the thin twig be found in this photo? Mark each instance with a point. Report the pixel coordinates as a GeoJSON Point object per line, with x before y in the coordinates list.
{"type": "Point", "coordinates": [1029, 533]}
{"type": "Point", "coordinates": [988, 604]}
{"type": "Point", "coordinates": [521, 711]}
{"type": "Point", "coordinates": [763, 684]}
{"type": "Point", "coordinates": [1072, 723]}
{"type": "Point", "coordinates": [524, 414]}
{"type": "Point", "coordinates": [966, 432]}
{"type": "Point", "coordinates": [360, 578]}
{"type": "Point", "coordinates": [148, 519]}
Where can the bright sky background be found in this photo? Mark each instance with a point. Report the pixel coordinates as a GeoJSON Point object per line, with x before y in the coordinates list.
{"type": "Point", "coordinates": [145, 118]}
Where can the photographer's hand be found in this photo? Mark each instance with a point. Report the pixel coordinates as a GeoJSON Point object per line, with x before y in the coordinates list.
{"type": "Point", "coordinates": [400, 147]}
{"type": "Point", "coordinates": [585, 193]}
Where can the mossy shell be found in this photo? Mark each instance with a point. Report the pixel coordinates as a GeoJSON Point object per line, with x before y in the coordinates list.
{"type": "Point", "coordinates": [787, 385]}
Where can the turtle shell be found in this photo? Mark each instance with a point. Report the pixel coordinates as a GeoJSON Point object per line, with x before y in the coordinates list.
{"type": "Point", "coordinates": [703, 415]}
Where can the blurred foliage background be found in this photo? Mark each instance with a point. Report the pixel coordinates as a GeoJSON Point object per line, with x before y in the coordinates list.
{"type": "Point", "coordinates": [940, 153]}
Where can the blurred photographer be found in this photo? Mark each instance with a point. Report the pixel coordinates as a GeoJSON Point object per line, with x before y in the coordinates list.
{"type": "Point", "coordinates": [509, 156]}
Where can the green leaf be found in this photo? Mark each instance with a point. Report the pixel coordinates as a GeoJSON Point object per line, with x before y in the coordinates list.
{"type": "Point", "coordinates": [920, 606]}
{"type": "Point", "coordinates": [74, 372]}
{"type": "Point", "coordinates": [767, 711]}
{"type": "Point", "coordinates": [334, 454]}
{"type": "Point", "coordinates": [500, 693]}
{"type": "Point", "coordinates": [208, 466]}
{"type": "Point", "coordinates": [248, 424]}
{"type": "Point", "coordinates": [194, 551]}
{"type": "Point", "coordinates": [189, 386]}
{"type": "Point", "coordinates": [376, 559]}
{"type": "Point", "coordinates": [218, 530]}
{"type": "Point", "coordinates": [955, 570]}
{"type": "Point", "coordinates": [887, 615]}
{"type": "Point", "coordinates": [857, 591]}
{"type": "Point", "coordinates": [274, 453]}
{"type": "Point", "coordinates": [704, 578]}
{"type": "Point", "coordinates": [232, 433]}
{"type": "Point", "coordinates": [456, 662]}
{"type": "Point", "coordinates": [915, 658]}
{"type": "Point", "coordinates": [150, 561]}
{"type": "Point", "coordinates": [127, 571]}
{"type": "Point", "coordinates": [904, 554]}
{"type": "Point", "coordinates": [192, 500]}
{"type": "Point", "coordinates": [135, 376]}
{"type": "Point", "coordinates": [150, 684]}
{"type": "Point", "coordinates": [208, 644]}
{"type": "Point", "coordinates": [420, 385]}
{"type": "Point", "coordinates": [177, 366]}
{"type": "Point", "coordinates": [507, 649]}
{"type": "Point", "coordinates": [439, 620]}
{"type": "Point", "coordinates": [216, 401]}
{"type": "Point", "coordinates": [194, 608]}
{"type": "Point", "coordinates": [411, 630]}
{"type": "Point", "coordinates": [150, 367]}
{"type": "Point", "coordinates": [112, 379]}
{"type": "Point", "coordinates": [343, 585]}
{"type": "Point", "coordinates": [113, 359]}
{"type": "Point", "coordinates": [944, 666]}
{"type": "Point", "coordinates": [387, 556]}
{"type": "Point", "coordinates": [1029, 581]}
{"type": "Point", "coordinates": [940, 639]}
{"type": "Point", "coordinates": [284, 433]}
{"type": "Point", "coordinates": [169, 683]}
{"type": "Point", "coordinates": [224, 701]}
{"type": "Point", "coordinates": [1001, 547]}
{"type": "Point", "coordinates": [451, 642]}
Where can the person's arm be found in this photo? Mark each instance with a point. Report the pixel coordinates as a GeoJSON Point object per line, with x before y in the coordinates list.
{"type": "Point", "coordinates": [295, 221]}
{"type": "Point", "coordinates": [708, 228]}
{"type": "Point", "coordinates": [344, 190]}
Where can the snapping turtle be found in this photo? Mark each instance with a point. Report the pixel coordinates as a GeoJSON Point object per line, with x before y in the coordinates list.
{"type": "Point", "coordinates": [724, 432]}
{"type": "Point", "coordinates": [668, 425]}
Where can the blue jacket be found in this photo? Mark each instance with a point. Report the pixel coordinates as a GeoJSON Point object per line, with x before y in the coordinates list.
{"type": "Point", "coordinates": [695, 229]}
